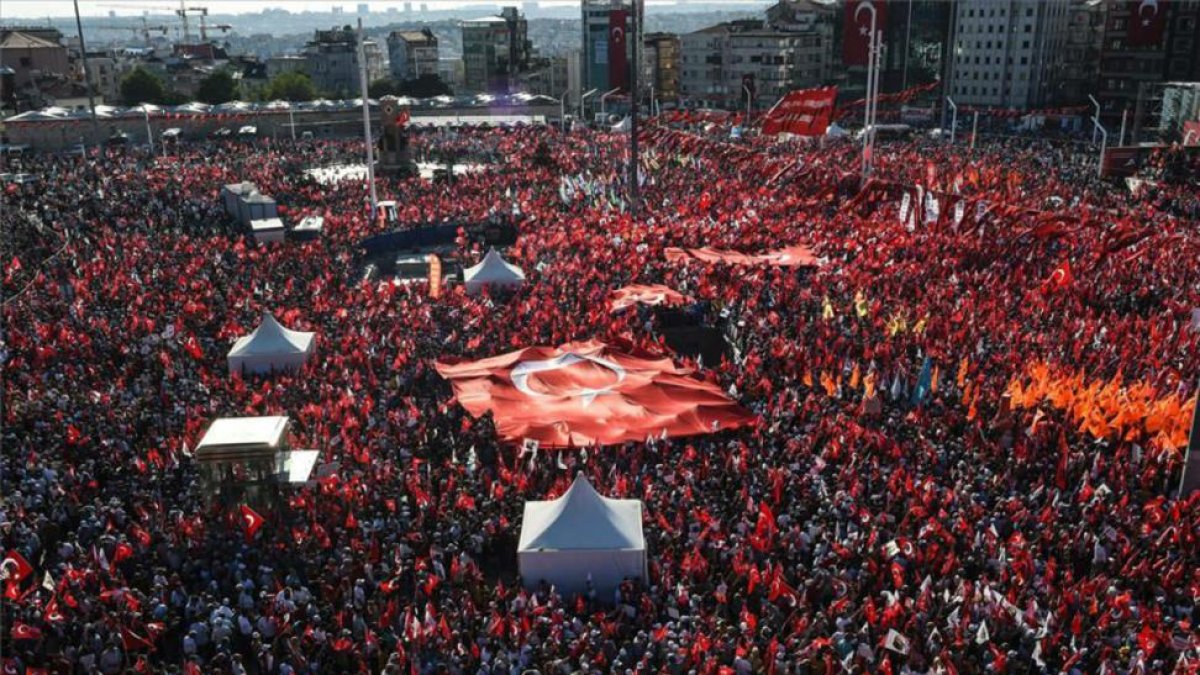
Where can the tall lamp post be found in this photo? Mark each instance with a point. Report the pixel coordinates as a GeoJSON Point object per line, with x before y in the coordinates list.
{"type": "Point", "coordinates": [953, 118]}
{"type": "Point", "coordinates": [362, 79]}
{"type": "Point", "coordinates": [582, 99]}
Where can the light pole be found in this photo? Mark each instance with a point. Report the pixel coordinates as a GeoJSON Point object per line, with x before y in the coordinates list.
{"type": "Point", "coordinates": [584, 98]}
{"type": "Point", "coordinates": [562, 111]}
{"type": "Point", "coordinates": [604, 100]}
{"type": "Point", "coordinates": [974, 130]}
{"type": "Point", "coordinates": [292, 121]}
{"type": "Point", "coordinates": [653, 110]}
{"type": "Point", "coordinates": [1124, 115]}
{"type": "Point", "coordinates": [1103, 145]}
{"type": "Point", "coordinates": [149, 132]}
{"type": "Point", "coordinates": [1097, 104]}
{"type": "Point", "coordinates": [953, 118]}
{"type": "Point", "coordinates": [362, 80]}
{"type": "Point", "coordinates": [746, 89]}
{"type": "Point", "coordinates": [873, 58]}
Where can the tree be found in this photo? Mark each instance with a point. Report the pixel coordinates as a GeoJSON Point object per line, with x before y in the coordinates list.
{"type": "Point", "coordinates": [384, 87]}
{"type": "Point", "coordinates": [425, 86]}
{"type": "Point", "coordinates": [142, 86]}
{"type": "Point", "coordinates": [293, 86]}
{"type": "Point", "coordinates": [219, 87]}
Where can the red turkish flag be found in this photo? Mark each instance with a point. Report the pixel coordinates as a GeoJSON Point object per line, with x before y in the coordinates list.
{"type": "Point", "coordinates": [1147, 21]}
{"type": "Point", "coordinates": [251, 521]}
{"type": "Point", "coordinates": [16, 566]}
{"type": "Point", "coordinates": [856, 31]}
{"type": "Point", "coordinates": [23, 631]}
{"type": "Point", "coordinates": [1061, 277]}
{"type": "Point", "coordinates": [618, 60]}
{"type": "Point", "coordinates": [790, 256]}
{"type": "Point", "coordinates": [645, 294]}
{"type": "Point", "coordinates": [586, 393]}
{"type": "Point", "coordinates": [805, 113]}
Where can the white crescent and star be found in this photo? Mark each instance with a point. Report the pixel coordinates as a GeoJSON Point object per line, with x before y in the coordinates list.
{"type": "Point", "coordinates": [618, 34]}
{"type": "Point", "coordinates": [520, 376]}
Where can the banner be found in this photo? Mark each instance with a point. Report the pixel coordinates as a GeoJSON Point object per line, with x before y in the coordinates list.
{"type": "Point", "coordinates": [618, 60]}
{"type": "Point", "coordinates": [856, 30]}
{"type": "Point", "coordinates": [805, 113]}
{"type": "Point", "coordinates": [1121, 161]}
{"type": "Point", "coordinates": [1147, 21]}
{"type": "Point", "coordinates": [435, 276]}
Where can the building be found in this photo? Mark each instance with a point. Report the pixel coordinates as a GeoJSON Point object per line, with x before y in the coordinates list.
{"type": "Point", "coordinates": [286, 63]}
{"type": "Point", "coordinates": [660, 65]}
{"type": "Point", "coordinates": [1081, 55]}
{"type": "Point", "coordinates": [791, 49]}
{"type": "Point", "coordinates": [1139, 54]}
{"type": "Point", "coordinates": [363, 9]}
{"type": "Point", "coordinates": [547, 76]}
{"type": "Point", "coordinates": [451, 72]}
{"type": "Point", "coordinates": [105, 75]}
{"type": "Point", "coordinates": [496, 49]}
{"type": "Point", "coordinates": [598, 25]}
{"type": "Point", "coordinates": [32, 57]}
{"type": "Point", "coordinates": [412, 53]}
{"type": "Point", "coordinates": [1009, 54]}
{"type": "Point", "coordinates": [332, 57]}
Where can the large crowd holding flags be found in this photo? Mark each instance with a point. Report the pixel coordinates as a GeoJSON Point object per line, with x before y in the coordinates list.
{"type": "Point", "coordinates": [966, 406]}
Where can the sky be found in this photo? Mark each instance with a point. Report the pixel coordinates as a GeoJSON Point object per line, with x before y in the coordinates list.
{"type": "Point", "coordinates": [16, 9]}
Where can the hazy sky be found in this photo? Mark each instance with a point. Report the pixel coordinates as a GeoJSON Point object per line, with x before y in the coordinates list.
{"type": "Point", "coordinates": [58, 8]}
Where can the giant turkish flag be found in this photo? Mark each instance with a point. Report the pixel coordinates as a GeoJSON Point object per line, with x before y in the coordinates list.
{"type": "Point", "coordinates": [856, 29]}
{"type": "Point", "coordinates": [588, 393]}
{"type": "Point", "coordinates": [618, 60]}
{"type": "Point", "coordinates": [645, 294]}
{"type": "Point", "coordinates": [1147, 21]}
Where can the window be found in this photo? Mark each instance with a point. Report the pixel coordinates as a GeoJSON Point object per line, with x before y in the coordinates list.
{"type": "Point", "coordinates": [1025, 44]}
{"type": "Point", "coordinates": [1028, 28]}
{"type": "Point", "coordinates": [1028, 11]}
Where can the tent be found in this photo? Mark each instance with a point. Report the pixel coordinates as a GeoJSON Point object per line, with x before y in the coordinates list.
{"type": "Point", "coordinates": [492, 271]}
{"type": "Point", "coordinates": [582, 535]}
{"type": "Point", "coordinates": [267, 230]}
{"type": "Point", "coordinates": [270, 347]}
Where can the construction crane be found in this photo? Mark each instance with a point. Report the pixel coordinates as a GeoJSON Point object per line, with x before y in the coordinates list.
{"type": "Point", "coordinates": [143, 29]}
{"type": "Point", "coordinates": [182, 12]}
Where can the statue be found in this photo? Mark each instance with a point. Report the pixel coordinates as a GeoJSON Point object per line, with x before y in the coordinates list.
{"type": "Point", "coordinates": [395, 155]}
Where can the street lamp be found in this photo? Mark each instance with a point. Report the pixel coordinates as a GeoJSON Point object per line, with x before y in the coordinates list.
{"type": "Point", "coordinates": [1103, 144]}
{"type": "Point", "coordinates": [604, 99]}
{"type": "Point", "coordinates": [562, 110]}
{"type": "Point", "coordinates": [953, 118]}
{"type": "Point", "coordinates": [582, 99]}
{"type": "Point", "coordinates": [1097, 104]}
{"type": "Point", "coordinates": [749, 95]}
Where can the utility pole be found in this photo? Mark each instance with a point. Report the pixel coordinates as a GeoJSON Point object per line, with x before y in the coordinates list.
{"type": "Point", "coordinates": [87, 74]}
{"type": "Point", "coordinates": [362, 72]}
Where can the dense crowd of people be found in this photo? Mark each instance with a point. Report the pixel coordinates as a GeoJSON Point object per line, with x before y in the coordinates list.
{"type": "Point", "coordinates": [892, 509]}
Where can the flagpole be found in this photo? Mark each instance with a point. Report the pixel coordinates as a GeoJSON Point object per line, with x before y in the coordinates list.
{"type": "Point", "coordinates": [362, 72]}
{"type": "Point", "coordinates": [869, 107]}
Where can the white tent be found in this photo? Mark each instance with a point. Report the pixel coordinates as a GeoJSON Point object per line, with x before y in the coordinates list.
{"type": "Point", "coordinates": [492, 271]}
{"type": "Point", "coordinates": [582, 534]}
{"type": "Point", "coordinates": [270, 347]}
{"type": "Point", "coordinates": [267, 230]}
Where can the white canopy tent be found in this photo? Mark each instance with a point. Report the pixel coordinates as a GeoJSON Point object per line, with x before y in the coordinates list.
{"type": "Point", "coordinates": [582, 535]}
{"type": "Point", "coordinates": [493, 270]}
{"type": "Point", "coordinates": [269, 348]}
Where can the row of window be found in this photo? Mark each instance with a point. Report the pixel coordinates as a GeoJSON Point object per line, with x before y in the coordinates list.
{"type": "Point", "coordinates": [993, 28]}
{"type": "Point", "coordinates": [999, 44]}
{"type": "Point", "coordinates": [987, 61]}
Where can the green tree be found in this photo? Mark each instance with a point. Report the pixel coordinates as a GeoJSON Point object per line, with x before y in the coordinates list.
{"type": "Point", "coordinates": [292, 86]}
{"type": "Point", "coordinates": [219, 87]}
{"type": "Point", "coordinates": [384, 87]}
{"type": "Point", "coordinates": [425, 86]}
{"type": "Point", "coordinates": [142, 86]}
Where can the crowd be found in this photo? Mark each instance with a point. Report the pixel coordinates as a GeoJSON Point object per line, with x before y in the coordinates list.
{"type": "Point", "coordinates": [892, 509]}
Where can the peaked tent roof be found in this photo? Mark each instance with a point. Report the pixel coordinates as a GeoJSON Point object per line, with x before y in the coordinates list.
{"type": "Point", "coordinates": [582, 519]}
{"type": "Point", "coordinates": [493, 268]}
{"type": "Point", "coordinates": [271, 338]}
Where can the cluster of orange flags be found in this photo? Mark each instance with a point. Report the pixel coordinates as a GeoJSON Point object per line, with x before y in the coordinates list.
{"type": "Point", "coordinates": [1106, 409]}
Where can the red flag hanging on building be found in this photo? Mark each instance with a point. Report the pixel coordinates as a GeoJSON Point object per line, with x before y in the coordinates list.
{"type": "Point", "coordinates": [1147, 21]}
{"type": "Point", "coordinates": [589, 393]}
{"type": "Point", "coordinates": [618, 60]}
{"type": "Point", "coordinates": [805, 113]}
{"type": "Point", "coordinates": [856, 29]}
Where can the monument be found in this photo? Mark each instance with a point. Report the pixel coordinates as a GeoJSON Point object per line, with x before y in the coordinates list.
{"type": "Point", "coordinates": [395, 155]}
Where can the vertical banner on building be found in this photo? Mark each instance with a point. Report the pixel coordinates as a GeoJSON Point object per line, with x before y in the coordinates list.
{"type": "Point", "coordinates": [618, 59]}
{"type": "Point", "coordinates": [435, 276]}
{"type": "Point", "coordinates": [1147, 21]}
{"type": "Point", "coordinates": [805, 113]}
{"type": "Point", "coordinates": [856, 29]}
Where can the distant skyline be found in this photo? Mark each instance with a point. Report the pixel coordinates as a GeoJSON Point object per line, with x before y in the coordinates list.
{"type": "Point", "coordinates": [36, 9]}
